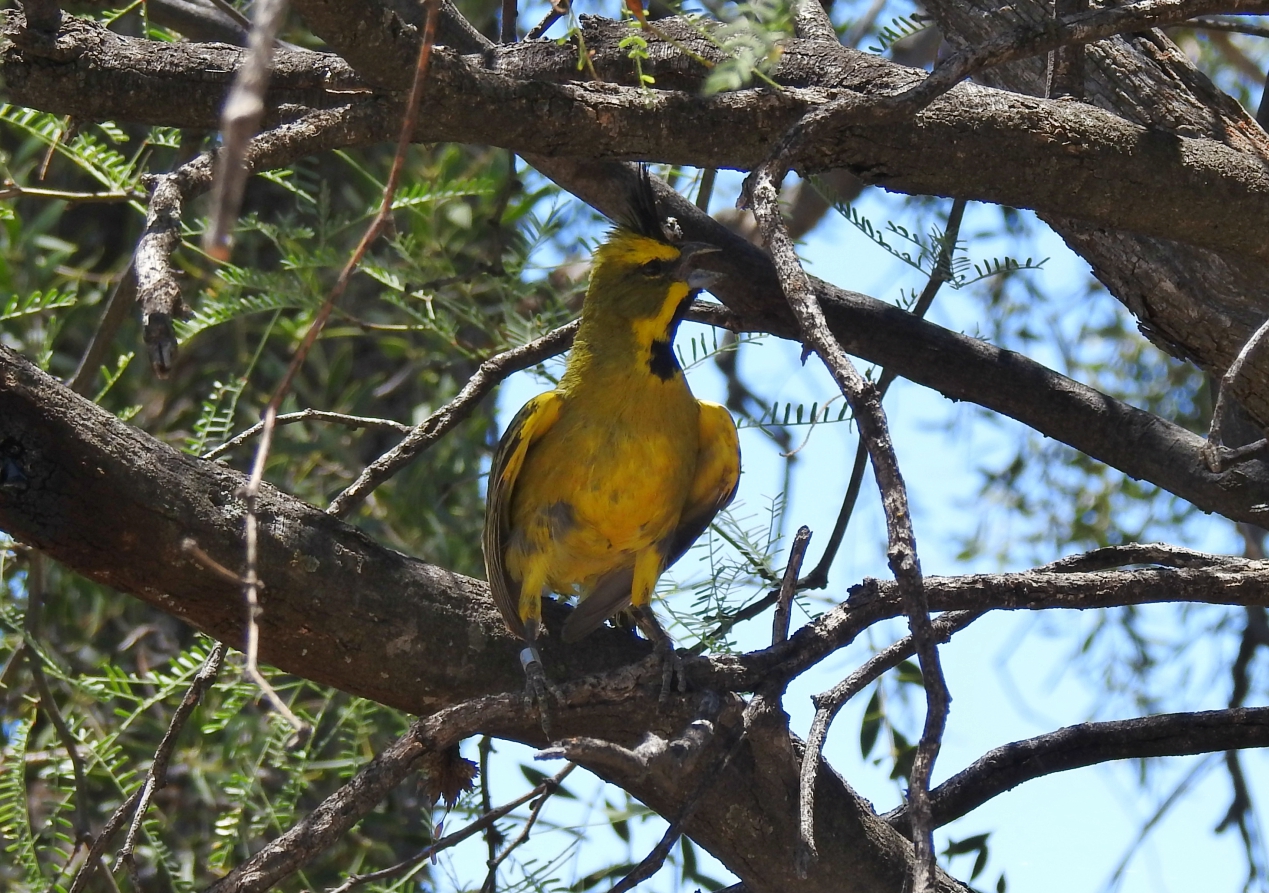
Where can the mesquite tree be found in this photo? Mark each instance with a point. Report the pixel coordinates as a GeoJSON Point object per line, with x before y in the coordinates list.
{"type": "Point", "coordinates": [372, 298]}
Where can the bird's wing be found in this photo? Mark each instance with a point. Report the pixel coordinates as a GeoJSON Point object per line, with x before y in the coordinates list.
{"type": "Point", "coordinates": [533, 420]}
{"type": "Point", "coordinates": [717, 473]}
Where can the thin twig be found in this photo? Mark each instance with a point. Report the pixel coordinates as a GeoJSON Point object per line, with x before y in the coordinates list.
{"type": "Point", "coordinates": [942, 272]}
{"type": "Point", "coordinates": [828, 705]}
{"type": "Point", "coordinates": [251, 583]}
{"type": "Point", "coordinates": [1134, 553]}
{"type": "Point", "coordinates": [1255, 634]}
{"type": "Point", "coordinates": [190, 547]}
{"type": "Point", "coordinates": [1066, 64]}
{"type": "Point", "coordinates": [748, 612]}
{"type": "Point", "coordinates": [240, 121]}
{"type": "Point", "coordinates": [156, 778]}
{"type": "Point", "coordinates": [13, 190]}
{"type": "Point", "coordinates": [203, 679]}
{"type": "Point", "coordinates": [1222, 25]}
{"type": "Point", "coordinates": [548, 786]}
{"type": "Point", "coordinates": [252, 490]}
{"type": "Point", "coordinates": [491, 372]}
{"type": "Point", "coordinates": [121, 299]}
{"type": "Point", "coordinates": [508, 29]}
{"type": "Point", "coordinates": [305, 415]}
{"type": "Point", "coordinates": [1214, 451]}
{"type": "Point", "coordinates": [706, 189]}
{"type": "Point", "coordinates": [543, 26]}
{"type": "Point", "coordinates": [763, 198]}
{"type": "Point", "coordinates": [95, 858]}
{"type": "Point", "coordinates": [230, 10]}
{"type": "Point", "coordinates": [35, 592]}
{"type": "Point", "coordinates": [788, 585]}
{"type": "Point", "coordinates": [493, 836]}
{"type": "Point", "coordinates": [1174, 797]}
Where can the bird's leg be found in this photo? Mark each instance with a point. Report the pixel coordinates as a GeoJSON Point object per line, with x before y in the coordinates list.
{"type": "Point", "coordinates": [663, 647]}
{"type": "Point", "coordinates": [536, 688]}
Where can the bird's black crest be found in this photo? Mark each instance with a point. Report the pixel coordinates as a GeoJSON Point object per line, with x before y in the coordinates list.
{"type": "Point", "coordinates": [641, 215]}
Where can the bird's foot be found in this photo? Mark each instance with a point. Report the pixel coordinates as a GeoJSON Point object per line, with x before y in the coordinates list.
{"type": "Point", "coordinates": [671, 666]}
{"type": "Point", "coordinates": [537, 691]}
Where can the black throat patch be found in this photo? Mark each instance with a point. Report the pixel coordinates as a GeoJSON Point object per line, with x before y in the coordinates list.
{"type": "Point", "coordinates": [662, 362]}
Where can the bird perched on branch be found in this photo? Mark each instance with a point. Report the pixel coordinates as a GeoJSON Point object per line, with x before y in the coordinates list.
{"type": "Point", "coordinates": [601, 484]}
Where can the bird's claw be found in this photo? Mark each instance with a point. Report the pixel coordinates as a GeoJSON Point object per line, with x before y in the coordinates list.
{"type": "Point", "coordinates": [671, 666]}
{"type": "Point", "coordinates": [537, 691]}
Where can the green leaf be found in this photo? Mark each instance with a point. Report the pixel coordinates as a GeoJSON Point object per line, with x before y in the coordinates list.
{"type": "Point", "coordinates": [909, 673]}
{"type": "Point", "coordinates": [15, 306]}
{"type": "Point", "coordinates": [871, 726]}
{"type": "Point", "coordinates": [598, 877]}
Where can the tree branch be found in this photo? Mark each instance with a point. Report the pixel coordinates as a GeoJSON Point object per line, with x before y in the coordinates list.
{"type": "Point", "coordinates": [1122, 175]}
{"type": "Point", "coordinates": [828, 704]}
{"type": "Point", "coordinates": [1087, 744]}
{"type": "Point", "coordinates": [491, 372]}
{"type": "Point", "coordinates": [901, 549]}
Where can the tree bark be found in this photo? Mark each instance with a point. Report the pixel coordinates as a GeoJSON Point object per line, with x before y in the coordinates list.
{"type": "Point", "coordinates": [1196, 304]}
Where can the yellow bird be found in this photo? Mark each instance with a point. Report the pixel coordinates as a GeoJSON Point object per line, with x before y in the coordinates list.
{"type": "Point", "coordinates": [601, 484]}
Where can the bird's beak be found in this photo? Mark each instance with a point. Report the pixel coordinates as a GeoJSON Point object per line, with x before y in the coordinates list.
{"type": "Point", "coordinates": [688, 268]}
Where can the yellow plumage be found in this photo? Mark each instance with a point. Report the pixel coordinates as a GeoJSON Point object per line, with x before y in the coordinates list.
{"type": "Point", "coordinates": [599, 485]}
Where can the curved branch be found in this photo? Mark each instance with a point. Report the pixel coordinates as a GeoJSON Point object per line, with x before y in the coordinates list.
{"type": "Point", "coordinates": [1087, 744]}
{"type": "Point", "coordinates": [491, 372]}
{"type": "Point", "coordinates": [1234, 581]}
{"type": "Point", "coordinates": [761, 191]}
{"type": "Point", "coordinates": [157, 286]}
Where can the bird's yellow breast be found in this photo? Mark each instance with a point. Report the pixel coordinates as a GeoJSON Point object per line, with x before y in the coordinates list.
{"type": "Point", "coordinates": [608, 480]}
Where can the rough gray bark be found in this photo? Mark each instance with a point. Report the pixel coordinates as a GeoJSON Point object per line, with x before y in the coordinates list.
{"type": "Point", "coordinates": [1196, 304]}
{"type": "Point", "coordinates": [1063, 158]}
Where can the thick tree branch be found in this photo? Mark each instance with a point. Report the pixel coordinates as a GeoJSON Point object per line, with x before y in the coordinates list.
{"type": "Point", "coordinates": [1064, 158]}
{"type": "Point", "coordinates": [1193, 303]}
{"type": "Point", "coordinates": [1071, 30]}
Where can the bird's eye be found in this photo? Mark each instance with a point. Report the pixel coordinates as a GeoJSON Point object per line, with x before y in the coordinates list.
{"type": "Point", "coordinates": [653, 268]}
